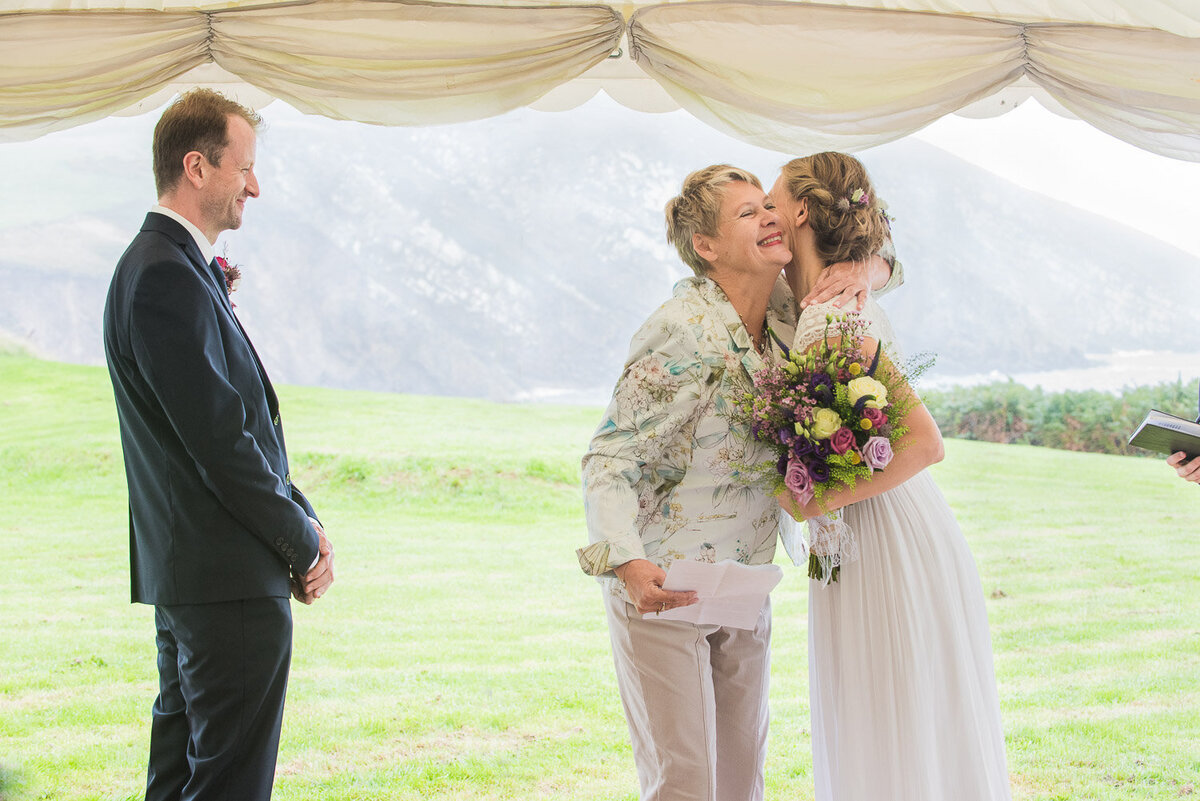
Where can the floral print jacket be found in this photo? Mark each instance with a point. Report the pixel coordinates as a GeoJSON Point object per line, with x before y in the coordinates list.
{"type": "Point", "coordinates": [664, 476]}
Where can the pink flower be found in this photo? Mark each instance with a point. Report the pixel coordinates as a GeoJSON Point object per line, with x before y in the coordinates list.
{"type": "Point", "coordinates": [842, 440]}
{"type": "Point", "coordinates": [877, 453]}
{"type": "Point", "coordinates": [799, 481]}
{"type": "Point", "coordinates": [876, 416]}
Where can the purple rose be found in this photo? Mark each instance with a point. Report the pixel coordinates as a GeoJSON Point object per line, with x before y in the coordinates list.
{"type": "Point", "coordinates": [799, 481]}
{"type": "Point", "coordinates": [842, 440]}
{"type": "Point", "coordinates": [877, 453]}
{"type": "Point", "coordinates": [876, 416]}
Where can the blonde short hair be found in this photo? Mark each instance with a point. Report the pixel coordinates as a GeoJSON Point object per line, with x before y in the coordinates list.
{"type": "Point", "coordinates": [845, 213]}
{"type": "Point", "coordinates": [697, 209]}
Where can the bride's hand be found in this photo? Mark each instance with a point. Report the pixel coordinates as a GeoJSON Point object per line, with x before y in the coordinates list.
{"type": "Point", "coordinates": [847, 281]}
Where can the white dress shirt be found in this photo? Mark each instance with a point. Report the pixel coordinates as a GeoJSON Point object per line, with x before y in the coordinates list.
{"type": "Point", "coordinates": [206, 248]}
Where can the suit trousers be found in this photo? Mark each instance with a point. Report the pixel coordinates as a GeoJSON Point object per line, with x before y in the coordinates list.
{"type": "Point", "coordinates": [223, 671]}
{"type": "Point", "coordinates": [695, 698]}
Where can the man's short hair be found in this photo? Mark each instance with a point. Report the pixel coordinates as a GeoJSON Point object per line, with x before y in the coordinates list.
{"type": "Point", "coordinates": [197, 120]}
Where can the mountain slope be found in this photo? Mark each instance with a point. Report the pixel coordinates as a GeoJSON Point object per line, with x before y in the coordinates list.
{"type": "Point", "coordinates": [514, 257]}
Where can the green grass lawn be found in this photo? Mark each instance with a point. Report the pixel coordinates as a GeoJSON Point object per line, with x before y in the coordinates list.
{"type": "Point", "coordinates": [463, 655]}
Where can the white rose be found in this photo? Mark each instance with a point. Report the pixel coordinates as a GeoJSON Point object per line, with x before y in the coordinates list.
{"type": "Point", "coordinates": [865, 385]}
{"type": "Point", "coordinates": [825, 422]}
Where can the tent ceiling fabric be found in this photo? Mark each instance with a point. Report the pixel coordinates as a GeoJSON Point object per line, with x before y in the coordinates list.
{"type": "Point", "coordinates": [1175, 16]}
{"type": "Point", "coordinates": [392, 63]}
{"type": "Point", "coordinates": [847, 78]}
{"type": "Point", "coordinates": [792, 75]}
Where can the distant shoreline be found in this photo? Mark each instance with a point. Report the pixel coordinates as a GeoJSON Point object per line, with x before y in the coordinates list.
{"type": "Point", "coordinates": [1111, 372]}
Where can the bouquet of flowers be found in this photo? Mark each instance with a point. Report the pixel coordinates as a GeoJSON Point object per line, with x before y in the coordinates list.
{"type": "Point", "coordinates": [831, 416]}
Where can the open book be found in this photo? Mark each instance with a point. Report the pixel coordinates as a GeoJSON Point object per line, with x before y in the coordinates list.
{"type": "Point", "coordinates": [1168, 434]}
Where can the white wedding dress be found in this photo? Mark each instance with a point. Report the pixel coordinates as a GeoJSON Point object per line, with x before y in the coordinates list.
{"type": "Point", "coordinates": [903, 692]}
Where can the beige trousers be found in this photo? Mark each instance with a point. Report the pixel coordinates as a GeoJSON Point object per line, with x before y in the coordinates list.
{"type": "Point", "coordinates": [695, 698]}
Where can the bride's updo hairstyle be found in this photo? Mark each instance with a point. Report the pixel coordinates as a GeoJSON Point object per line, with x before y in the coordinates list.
{"type": "Point", "coordinates": [697, 210]}
{"type": "Point", "coordinates": [843, 210]}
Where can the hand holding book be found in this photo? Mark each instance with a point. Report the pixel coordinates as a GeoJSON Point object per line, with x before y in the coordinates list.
{"type": "Point", "coordinates": [1187, 469]}
{"type": "Point", "coordinates": [1166, 433]}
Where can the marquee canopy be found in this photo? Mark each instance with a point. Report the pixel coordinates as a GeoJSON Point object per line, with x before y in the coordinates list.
{"type": "Point", "coordinates": [792, 75]}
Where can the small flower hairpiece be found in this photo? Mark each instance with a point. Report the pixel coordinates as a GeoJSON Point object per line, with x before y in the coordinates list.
{"type": "Point", "coordinates": [883, 213]}
{"type": "Point", "coordinates": [858, 197]}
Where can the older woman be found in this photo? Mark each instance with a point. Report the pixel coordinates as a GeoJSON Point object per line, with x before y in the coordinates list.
{"type": "Point", "coordinates": [661, 482]}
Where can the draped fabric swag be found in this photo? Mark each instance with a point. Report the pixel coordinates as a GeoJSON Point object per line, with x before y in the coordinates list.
{"type": "Point", "coordinates": [392, 63]}
{"type": "Point", "coordinates": [847, 78]}
{"type": "Point", "coordinates": [795, 76]}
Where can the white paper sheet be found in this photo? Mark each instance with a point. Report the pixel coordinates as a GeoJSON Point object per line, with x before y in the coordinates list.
{"type": "Point", "coordinates": [731, 594]}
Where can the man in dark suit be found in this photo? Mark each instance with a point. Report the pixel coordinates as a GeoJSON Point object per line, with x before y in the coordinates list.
{"type": "Point", "coordinates": [218, 534]}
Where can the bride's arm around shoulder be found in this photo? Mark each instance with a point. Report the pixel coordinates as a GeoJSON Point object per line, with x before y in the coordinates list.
{"type": "Point", "coordinates": [918, 448]}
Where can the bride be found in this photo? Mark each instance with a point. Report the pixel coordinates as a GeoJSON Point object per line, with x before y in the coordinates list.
{"type": "Point", "coordinates": [903, 695]}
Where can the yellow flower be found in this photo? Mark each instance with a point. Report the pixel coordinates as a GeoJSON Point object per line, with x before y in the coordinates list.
{"type": "Point", "coordinates": [854, 369]}
{"type": "Point", "coordinates": [865, 424]}
{"type": "Point", "coordinates": [854, 457]}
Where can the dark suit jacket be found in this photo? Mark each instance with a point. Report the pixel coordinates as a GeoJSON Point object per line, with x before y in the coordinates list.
{"type": "Point", "coordinates": [212, 513]}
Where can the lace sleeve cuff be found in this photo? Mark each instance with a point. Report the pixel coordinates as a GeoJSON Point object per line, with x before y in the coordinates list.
{"type": "Point", "coordinates": [831, 544]}
{"type": "Point", "coordinates": [888, 254]}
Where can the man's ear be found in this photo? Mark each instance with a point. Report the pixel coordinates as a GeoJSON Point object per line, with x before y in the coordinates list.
{"type": "Point", "coordinates": [194, 167]}
{"type": "Point", "coordinates": [704, 247]}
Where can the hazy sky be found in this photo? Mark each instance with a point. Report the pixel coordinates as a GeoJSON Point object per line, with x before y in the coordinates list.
{"type": "Point", "coordinates": [1076, 163]}
{"type": "Point", "coordinates": [1064, 158]}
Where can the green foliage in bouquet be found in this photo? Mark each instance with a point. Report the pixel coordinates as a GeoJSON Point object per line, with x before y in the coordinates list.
{"type": "Point", "coordinates": [832, 415]}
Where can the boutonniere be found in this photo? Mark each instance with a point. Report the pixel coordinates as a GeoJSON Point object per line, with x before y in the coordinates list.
{"type": "Point", "coordinates": [233, 275]}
